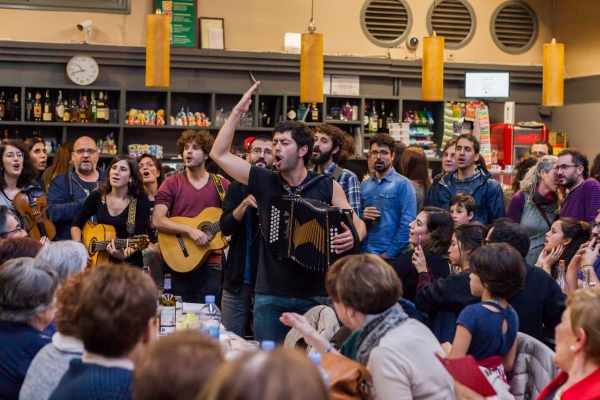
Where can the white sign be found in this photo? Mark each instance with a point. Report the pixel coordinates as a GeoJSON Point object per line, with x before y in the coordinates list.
{"type": "Point", "coordinates": [326, 84]}
{"type": "Point", "coordinates": [292, 42]}
{"type": "Point", "coordinates": [345, 84]}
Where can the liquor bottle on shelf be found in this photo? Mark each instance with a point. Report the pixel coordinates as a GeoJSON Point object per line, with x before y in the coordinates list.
{"type": "Point", "coordinates": [314, 113]}
{"type": "Point", "coordinates": [93, 109]}
{"type": "Point", "coordinates": [373, 119]}
{"type": "Point", "coordinates": [335, 110]}
{"type": "Point", "coordinates": [301, 111]}
{"type": "Point", "coordinates": [59, 108]}
{"type": "Point", "coordinates": [264, 119]}
{"type": "Point", "coordinates": [67, 112]}
{"type": "Point", "coordinates": [107, 110]}
{"type": "Point", "coordinates": [168, 304]}
{"type": "Point", "coordinates": [346, 112]}
{"type": "Point", "coordinates": [354, 111]}
{"type": "Point", "coordinates": [2, 107]}
{"type": "Point", "coordinates": [84, 110]}
{"type": "Point", "coordinates": [381, 125]}
{"type": "Point", "coordinates": [389, 120]}
{"type": "Point", "coordinates": [100, 111]}
{"type": "Point", "coordinates": [16, 108]}
{"type": "Point", "coordinates": [37, 107]}
{"type": "Point", "coordinates": [29, 108]}
{"type": "Point", "coordinates": [74, 111]}
{"type": "Point", "coordinates": [366, 123]}
{"type": "Point", "coordinates": [47, 113]}
{"type": "Point", "coordinates": [291, 111]}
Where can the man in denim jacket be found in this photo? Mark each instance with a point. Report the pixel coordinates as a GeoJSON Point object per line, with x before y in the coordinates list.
{"type": "Point", "coordinates": [387, 201]}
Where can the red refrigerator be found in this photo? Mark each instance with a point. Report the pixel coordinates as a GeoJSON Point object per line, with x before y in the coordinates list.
{"type": "Point", "coordinates": [509, 143]}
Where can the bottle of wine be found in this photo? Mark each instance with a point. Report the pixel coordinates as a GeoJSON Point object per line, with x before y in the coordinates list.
{"type": "Point", "coordinates": [29, 108]}
{"type": "Point", "coordinates": [2, 107]}
{"type": "Point", "coordinates": [107, 109]}
{"type": "Point", "coordinates": [16, 108]}
{"type": "Point", "coordinates": [100, 111]}
{"type": "Point", "coordinates": [168, 304]}
{"type": "Point", "coordinates": [47, 113]}
{"type": "Point", "coordinates": [301, 111]}
{"type": "Point", "coordinates": [366, 123]}
{"type": "Point", "coordinates": [264, 119]}
{"type": "Point", "coordinates": [381, 125]}
{"type": "Point", "coordinates": [59, 108]}
{"type": "Point", "coordinates": [93, 109]}
{"type": "Point", "coordinates": [37, 107]}
{"type": "Point", "coordinates": [373, 119]}
{"type": "Point", "coordinates": [67, 112]}
{"type": "Point", "coordinates": [335, 110]}
{"type": "Point", "coordinates": [389, 120]}
{"type": "Point", "coordinates": [315, 113]}
{"type": "Point", "coordinates": [84, 110]}
{"type": "Point", "coordinates": [346, 112]}
{"type": "Point", "coordinates": [291, 111]}
{"type": "Point", "coordinates": [74, 111]}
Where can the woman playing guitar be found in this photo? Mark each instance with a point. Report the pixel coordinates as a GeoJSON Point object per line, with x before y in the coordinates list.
{"type": "Point", "coordinates": [16, 173]}
{"type": "Point", "coordinates": [111, 202]}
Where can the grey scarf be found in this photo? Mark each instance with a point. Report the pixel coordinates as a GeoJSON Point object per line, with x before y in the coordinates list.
{"type": "Point", "coordinates": [373, 332]}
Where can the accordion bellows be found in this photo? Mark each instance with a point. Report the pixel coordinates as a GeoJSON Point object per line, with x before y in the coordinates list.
{"type": "Point", "coordinates": [303, 230]}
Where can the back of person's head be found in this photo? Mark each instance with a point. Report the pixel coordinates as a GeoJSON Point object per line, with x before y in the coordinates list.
{"type": "Point", "coordinates": [521, 169]}
{"type": "Point", "coordinates": [440, 227]}
{"type": "Point", "coordinates": [578, 159]}
{"type": "Point", "coordinates": [68, 296]}
{"type": "Point", "coordinates": [470, 236]}
{"type": "Point", "coordinates": [66, 256]}
{"type": "Point", "coordinates": [415, 167]}
{"type": "Point", "coordinates": [301, 134]}
{"type": "Point", "coordinates": [584, 306]}
{"type": "Point", "coordinates": [176, 367]}
{"type": "Point", "coordinates": [500, 268]}
{"type": "Point", "coordinates": [116, 307]}
{"type": "Point", "coordinates": [398, 152]}
{"type": "Point", "coordinates": [18, 247]}
{"type": "Point", "coordinates": [471, 138]}
{"type": "Point", "coordinates": [27, 287]}
{"type": "Point", "coordinates": [505, 230]}
{"type": "Point", "coordinates": [363, 282]}
{"type": "Point", "coordinates": [281, 374]}
{"type": "Point", "coordinates": [465, 201]}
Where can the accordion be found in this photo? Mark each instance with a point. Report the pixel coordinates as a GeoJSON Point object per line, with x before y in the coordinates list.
{"type": "Point", "coordinates": [303, 230]}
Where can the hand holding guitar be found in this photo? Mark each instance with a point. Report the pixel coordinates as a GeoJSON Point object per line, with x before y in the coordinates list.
{"type": "Point", "coordinates": [198, 236]}
{"type": "Point", "coordinates": [116, 253]}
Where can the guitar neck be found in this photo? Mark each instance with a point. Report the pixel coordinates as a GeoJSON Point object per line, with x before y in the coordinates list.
{"type": "Point", "coordinates": [119, 243]}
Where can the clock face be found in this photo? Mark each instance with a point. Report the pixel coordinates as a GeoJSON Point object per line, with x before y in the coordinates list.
{"type": "Point", "coordinates": [82, 70]}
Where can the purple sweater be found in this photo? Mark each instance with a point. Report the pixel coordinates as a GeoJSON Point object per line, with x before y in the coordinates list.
{"type": "Point", "coordinates": [583, 202]}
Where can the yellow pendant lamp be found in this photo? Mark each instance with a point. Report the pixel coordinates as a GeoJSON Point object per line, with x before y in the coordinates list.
{"type": "Point", "coordinates": [158, 50]}
{"type": "Point", "coordinates": [432, 86]}
{"type": "Point", "coordinates": [311, 66]}
{"type": "Point", "coordinates": [553, 91]}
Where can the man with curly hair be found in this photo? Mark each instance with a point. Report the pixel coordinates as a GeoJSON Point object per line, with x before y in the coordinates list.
{"type": "Point", "coordinates": [187, 195]}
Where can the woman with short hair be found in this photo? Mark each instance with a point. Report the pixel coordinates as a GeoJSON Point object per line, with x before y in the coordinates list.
{"type": "Point", "coordinates": [67, 257]}
{"type": "Point", "coordinates": [27, 288]}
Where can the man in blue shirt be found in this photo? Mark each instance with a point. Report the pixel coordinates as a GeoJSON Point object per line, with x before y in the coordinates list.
{"type": "Point", "coordinates": [388, 202]}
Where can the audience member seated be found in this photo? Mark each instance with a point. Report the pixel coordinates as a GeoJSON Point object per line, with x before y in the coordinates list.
{"type": "Point", "coordinates": [117, 319]}
{"type": "Point", "coordinates": [587, 260]}
{"type": "Point", "coordinates": [10, 224]}
{"type": "Point", "coordinates": [535, 206]}
{"type": "Point", "coordinates": [462, 208]}
{"type": "Point", "coordinates": [562, 243]}
{"type": "Point", "coordinates": [540, 303]}
{"type": "Point", "coordinates": [176, 367]}
{"type": "Point", "coordinates": [275, 375]}
{"type": "Point", "coordinates": [398, 350]}
{"type": "Point", "coordinates": [445, 298]}
{"type": "Point", "coordinates": [27, 288]}
{"type": "Point", "coordinates": [52, 361]}
{"type": "Point", "coordinates": [18, 247]}
{"type": "Point", "coordinates": [488, 330]}
{"type": "Point", "coordinates": [434, 227]}
{"type": "Point", "coordinates": [67, 257]}
{"type": "Point", "coordinates": [577, 349]}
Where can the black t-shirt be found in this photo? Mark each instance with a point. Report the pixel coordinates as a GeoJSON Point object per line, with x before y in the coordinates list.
{"type": "Point", "coordinates": [284, 277]}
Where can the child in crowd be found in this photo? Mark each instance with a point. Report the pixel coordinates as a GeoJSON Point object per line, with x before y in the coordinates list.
{"type": "Point", "coordinates": [462, 208]}
{"type": "Point", "coordinates": [488, 330]}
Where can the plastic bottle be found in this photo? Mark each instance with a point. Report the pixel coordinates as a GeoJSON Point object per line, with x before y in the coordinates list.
{"type": "Point", "coordinates": [561, 279]}
{"type": "Point", "coordinates": [210, 318]}
{"type": "Point", "coordinates": [316, 358]}
{"type": "Point", "coordinates": [267, 345]}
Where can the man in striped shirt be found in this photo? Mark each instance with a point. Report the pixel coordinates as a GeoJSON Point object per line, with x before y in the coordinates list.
{"type": "Point", "coordinates": [583, 197]}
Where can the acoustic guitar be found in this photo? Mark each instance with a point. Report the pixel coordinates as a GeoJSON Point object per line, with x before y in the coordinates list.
{"type": "Point", "coordinates": [96, 237]}
{"type": "Point", "coordinates": [180, 252]}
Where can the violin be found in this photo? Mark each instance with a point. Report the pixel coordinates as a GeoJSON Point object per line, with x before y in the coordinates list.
{"type": "Point", "coordinates": [31, 203]}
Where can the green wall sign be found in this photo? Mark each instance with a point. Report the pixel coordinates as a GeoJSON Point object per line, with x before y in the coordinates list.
{"type": "Point", "coordinates": [183, 21]}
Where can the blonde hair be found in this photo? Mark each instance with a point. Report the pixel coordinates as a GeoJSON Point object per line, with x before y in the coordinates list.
{"type": "Point", "coordinates": [585, 314]}
{"type": "Point", "coordinates": [533, 176]}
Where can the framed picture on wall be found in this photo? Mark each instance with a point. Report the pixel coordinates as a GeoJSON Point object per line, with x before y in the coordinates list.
{"type": "Point", "coordinates": [212, 33]}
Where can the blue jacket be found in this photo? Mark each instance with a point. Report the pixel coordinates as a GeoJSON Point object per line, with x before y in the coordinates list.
{"type": "Point", "coordinates": [432, 190]}
{"type": "Point", "coordinates": [65, 198]}
{"type": "Point", "coordinates": [487, 193]}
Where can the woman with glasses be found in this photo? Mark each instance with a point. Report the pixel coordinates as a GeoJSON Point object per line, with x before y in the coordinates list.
{"type": "Point", "coordinates": [37, 152]}
{"type": "Point", "coordinates": [537, 204]}
{"type": "Point", "coordinates": [16, 172]}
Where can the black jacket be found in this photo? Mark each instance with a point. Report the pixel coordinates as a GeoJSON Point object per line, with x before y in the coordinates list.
{"type": "Point", "coordinates": [233, 275]}
{"type": "Point", "coordinates": [408, 274]}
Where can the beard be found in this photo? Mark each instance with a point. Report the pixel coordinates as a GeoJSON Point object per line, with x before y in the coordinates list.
{"type": "Point", "coordinates": [569, 182]}
{"type": "Point", "coordinates": [380, 166]}
{"type": "Point", "coordinates": [321, 158]}
{"type": "Point", "coordinates": [261, 162]}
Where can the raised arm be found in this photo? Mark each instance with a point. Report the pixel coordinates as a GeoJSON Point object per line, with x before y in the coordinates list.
{"type": "Point", "coordinates": [237, 168]}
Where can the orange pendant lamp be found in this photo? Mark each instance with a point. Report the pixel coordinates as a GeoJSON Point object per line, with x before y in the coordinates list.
{"type": "Point", "coordinates": [432, 85]}
{"type": "Point", "coordinates": [553, 91]}
{"type": "Point", "coordinates": [311, 66]}
{"type": "Point", "coordinates": [158, 50]}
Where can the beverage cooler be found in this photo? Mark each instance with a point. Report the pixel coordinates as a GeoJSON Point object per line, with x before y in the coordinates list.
{"type": "Point", "coordinates": [509, 143]}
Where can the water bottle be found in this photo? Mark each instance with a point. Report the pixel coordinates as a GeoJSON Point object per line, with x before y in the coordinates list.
{"type": "Point", "coordinates": [316, 358]}
{"type": "Point", "coordinates": [267, 345]}
{"type": "Point", "coordinates": [210, 318]}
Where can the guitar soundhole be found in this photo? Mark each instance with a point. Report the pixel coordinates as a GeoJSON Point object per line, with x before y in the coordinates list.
{"type": "Point", "coordinates": [205, 227]}
{"type": "Point", "coordinates": [92, 248]}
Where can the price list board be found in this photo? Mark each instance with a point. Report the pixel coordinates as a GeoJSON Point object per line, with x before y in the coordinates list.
{"type": "Point", "coordinates": [183, 21]}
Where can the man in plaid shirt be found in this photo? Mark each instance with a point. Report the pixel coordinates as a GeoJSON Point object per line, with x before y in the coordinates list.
{"type": "Point", "coordinates": [326, 153]}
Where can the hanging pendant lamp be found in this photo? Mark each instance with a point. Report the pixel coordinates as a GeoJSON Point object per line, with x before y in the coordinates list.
{"type": "Point", "coordinates": [553, 91]}
{"type": "Point", "coordinates": [432, 85]}
{"type": "Point", "coordinates": [158, 50]}
{"type": "Point", "coordinates": [311, 66]}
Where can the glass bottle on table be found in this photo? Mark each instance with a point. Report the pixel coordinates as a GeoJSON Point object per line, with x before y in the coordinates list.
{"type": "Point", "coordinates": [560, 277]}
{"type": "Point", "coordinates": [167, 312]}
{"type": "Point", "coordinates": [210, 318]}
{"type": "Point", "coordinates": [585, 282]}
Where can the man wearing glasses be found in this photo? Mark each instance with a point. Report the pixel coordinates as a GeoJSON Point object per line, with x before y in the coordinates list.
{"type": "Point", "coordinates": [583, 194]}
{"type": "Point", "coordinates": [68, 191]}
{"type": "Point", "coordinates": [10, 226]}
{"type": "Point", "coordinates": [388, 202]}
{"type": "Point", "coordinates": [541, 148]}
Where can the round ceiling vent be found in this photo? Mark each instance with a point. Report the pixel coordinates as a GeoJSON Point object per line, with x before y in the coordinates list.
{"type": "Point", "coordinates": [514, 27]}
{"type": "Point", "coordinates": [454, 20]}
{"type": "Point", "coordinates": [386, 23]}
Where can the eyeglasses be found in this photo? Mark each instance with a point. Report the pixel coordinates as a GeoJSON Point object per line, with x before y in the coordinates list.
{"type": "Point", "coordinates": [5, 234]}
{"type": "Point", "coordinates": [11, 154]}
{"type": "Point", "coordinates": [538, 153]}
{"type": "Point", "coordinates": [258, 152]}
{"type": "Point", "coordinates": [80, 152]}
{"type": "Point", "coordinates": [382, 153]}
{"type": "Point", "coordinates": [565, 167]}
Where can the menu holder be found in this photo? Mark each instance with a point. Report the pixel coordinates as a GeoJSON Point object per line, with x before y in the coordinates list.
{"type": "Point", "coordinates": [466, 371]}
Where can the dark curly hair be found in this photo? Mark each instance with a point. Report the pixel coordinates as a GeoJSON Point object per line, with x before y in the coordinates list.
{"type": "Point", "coordinates": [28, 173]}
{"type": "Point", "coordinates": [383, 139]}
{"type": "Point", "coordinates": [201, 137]}
{"type": "Point", "coordinates": [578, 158]}
{"type": "Point", "coordinates": [505, 230]}
{"type": "Point", "coordinates": [440, 227]}
{"type": "Point", "coordinates": [500, 268]}
{"type": "Point", "coordinates": [337, 137]}
{"type": "Point", "coordinates": [135, 188]}
{"type": "Point", "coordinates": [470, 236]}
{"type": "Point", "coordinates": [301, 134]}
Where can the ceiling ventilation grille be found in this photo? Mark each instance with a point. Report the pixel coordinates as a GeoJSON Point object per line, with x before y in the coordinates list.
{"type": "Point", "coordinates": [454, 20]}
{"type": "Point", "coordinates": [386, 22]}
{"type": "Point", "coordinates": [514, 27]}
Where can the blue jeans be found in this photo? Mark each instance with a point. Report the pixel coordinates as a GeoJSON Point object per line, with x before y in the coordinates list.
{"type": "Point", "coordinates": [268, 309]}
{"type": "Point", "coordinates": [234, 309]}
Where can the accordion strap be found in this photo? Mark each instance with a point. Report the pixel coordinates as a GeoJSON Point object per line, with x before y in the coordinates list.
{"type": "Point", "coordinates": [302, 188]}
